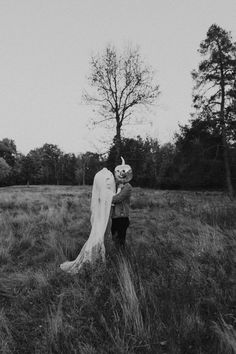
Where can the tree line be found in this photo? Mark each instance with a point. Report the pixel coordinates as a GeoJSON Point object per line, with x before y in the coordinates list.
{"type": "Point", "coordinates": [194, 161]}
{"type": "Point", "coordinates": [45, 165]}
{"type": "Point", "coordinates": [203, 153]}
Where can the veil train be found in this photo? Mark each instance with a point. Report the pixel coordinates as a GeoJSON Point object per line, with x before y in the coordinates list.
{"type": "Point", "coordinates": [102, 193]}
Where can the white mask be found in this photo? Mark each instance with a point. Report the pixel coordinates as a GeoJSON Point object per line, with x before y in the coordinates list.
{"type": "Point", "coordinates": [123, 172]}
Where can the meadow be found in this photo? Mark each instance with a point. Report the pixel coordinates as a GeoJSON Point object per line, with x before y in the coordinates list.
{"type": "Point", "coordinates": [172, 292]}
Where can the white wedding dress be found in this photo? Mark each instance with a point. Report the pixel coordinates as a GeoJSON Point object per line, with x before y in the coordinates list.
{"type": "Point", "coordinates": [102, 193]}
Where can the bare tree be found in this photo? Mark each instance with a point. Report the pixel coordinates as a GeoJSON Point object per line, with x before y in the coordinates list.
{"type": "Point", "coordinates": [121, 83]}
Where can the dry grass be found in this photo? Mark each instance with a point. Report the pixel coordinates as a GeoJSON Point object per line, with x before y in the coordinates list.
{"type": "Point", "coordinates": [226, 336]}
{"type": "Point", "coordinates": [173, 291]}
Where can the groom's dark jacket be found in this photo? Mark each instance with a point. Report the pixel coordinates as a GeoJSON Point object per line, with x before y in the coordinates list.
{"type": "Point", "coordinates": [121, 202]}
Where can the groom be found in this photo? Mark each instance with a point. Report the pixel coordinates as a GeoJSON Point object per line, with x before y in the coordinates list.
{"type": "Point", "coordinates": [121, 203]}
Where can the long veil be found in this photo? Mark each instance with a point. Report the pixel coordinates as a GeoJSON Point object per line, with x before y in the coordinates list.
{"type": "Point", "coordinates": [102, 193]}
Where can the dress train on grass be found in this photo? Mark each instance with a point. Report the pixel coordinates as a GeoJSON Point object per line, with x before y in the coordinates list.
{"type": "Point", "coordinates": [102, 193]}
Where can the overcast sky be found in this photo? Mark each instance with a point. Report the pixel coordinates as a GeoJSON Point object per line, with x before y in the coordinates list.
{"type": "Point", "coordinates": [46, 45]}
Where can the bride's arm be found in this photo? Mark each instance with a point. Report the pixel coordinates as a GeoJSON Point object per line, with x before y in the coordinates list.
{"type": "Point", "coordinates": [125, 193]}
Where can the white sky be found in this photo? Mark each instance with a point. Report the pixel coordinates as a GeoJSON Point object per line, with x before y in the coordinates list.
{"type": "Point", "coordinates": [46, 45]}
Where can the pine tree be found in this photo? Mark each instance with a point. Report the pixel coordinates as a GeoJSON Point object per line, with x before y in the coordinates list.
{"type": "Point", "coordinates": [214, 89]}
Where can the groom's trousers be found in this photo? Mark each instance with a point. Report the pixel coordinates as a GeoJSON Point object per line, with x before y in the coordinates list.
{"type": "Point", "coordinates": [118, 230]}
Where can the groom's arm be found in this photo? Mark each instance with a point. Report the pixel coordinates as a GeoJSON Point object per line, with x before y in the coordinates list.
{"type": "Point", "coordinates": [125, 193]}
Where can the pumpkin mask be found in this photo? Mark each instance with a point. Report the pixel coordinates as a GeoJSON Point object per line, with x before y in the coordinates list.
{"type": "Point", "coordinates": [123, 172]}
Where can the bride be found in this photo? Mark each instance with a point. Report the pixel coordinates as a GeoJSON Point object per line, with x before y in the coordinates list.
{"type": "Point", "coordinates": [102, 194]}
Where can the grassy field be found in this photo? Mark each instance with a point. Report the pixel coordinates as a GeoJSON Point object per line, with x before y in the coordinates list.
{"type": "Point", "coordinates": [173, 292]}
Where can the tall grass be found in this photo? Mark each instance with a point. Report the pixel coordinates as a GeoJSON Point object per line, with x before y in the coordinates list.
{"type": "Point", "coordinates": [55, 326]}
{"type": "Point", "coordinates": [226, 336]}
{"type": "Point", "coordinates": [130, 330]}
{"type": "Point", "coordinates": [6, 340]}
{"type": "Point", "coordinates": [172, 291]}
{"type": "Point", "coordinates": [129, 300]}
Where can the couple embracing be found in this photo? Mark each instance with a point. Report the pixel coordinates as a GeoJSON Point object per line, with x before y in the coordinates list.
{"type": "Point", "coordinates": [109, 212]}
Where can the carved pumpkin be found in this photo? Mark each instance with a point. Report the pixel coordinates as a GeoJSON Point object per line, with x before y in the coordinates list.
{"type": "Point", "coordinates": [123, 172]}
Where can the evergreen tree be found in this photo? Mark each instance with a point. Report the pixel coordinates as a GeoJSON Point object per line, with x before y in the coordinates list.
{"type": "Point", "coordinates": [214, 89]}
